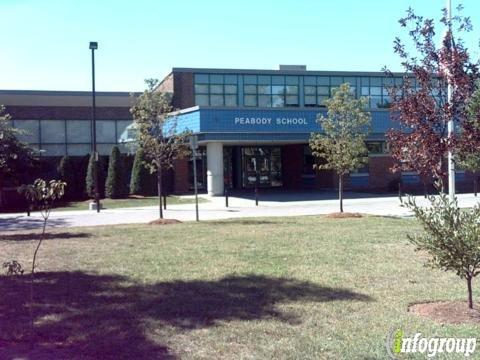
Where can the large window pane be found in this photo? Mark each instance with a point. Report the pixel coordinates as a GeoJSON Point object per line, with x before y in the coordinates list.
{"type": "Point", "coordinates": [323, 80]}
{"type": "Point", "coordinates": [216, 89]}
{"type": "Point", "coordinates": [201, 89]}
{"type": "Point", "coordinates": [278, 101]}
{"type": "Point", "coordinates": [321, 100]}
{"type": "Point", "coordinates": [264, 101]}
{"type": "Point", "coordinates": [230, 89]}
{"type": "Point", "coordinates": [216, 79]}
{"type": "Point", "coordinates": [310, 100]}
{"type": "Point", "coordinates": [336, 80]}
{"type": "Point", "coordinates": [216, 100]}
{"type": "Point", "coordinates": [323, 90]}
{"type": "Point", "coordinates": [309, 90]}
{"type": "Point", "coordinates": [201, 78]}
{"type": "Point", "coordinates": [264, 80]}
{"type": "Point", "coordinates": [78, 149]}
{"type": "Point", "coordinates": [278, 90]}
{"type": "Point", "coordinates": [52, 131]}
{"type": "Point", "coordinates": [264, 89]}
{"type": "Point", "coordinates": [230, 100]}
{"type": "Point", "coordinates": [78, 131]}
{"type": "Point", "coordinates": [30, 128]}
{"type": "Point", "coordinates": [250, 89]}
{"type": "Point", "coordinates": [250, 100]}
{"type": "Point", "coordinates": [292, 100]}
{"type": "Point", "coordinates": [230, 79]}
{"type": "Point", "coordinates": [53, 150]}
{"type": "Point", "coordinates": [375, 90]}
{"type": "Point", "coordinates": [105, 131]}
{"type": "Point", "coordinates": [292, 90]}
{"type": "Point", "coordinates": [309, 80]}
{"type": "Point", "coordinates": [121, 127]}
{"type": "Point", "coordinates": [201, 100]}
{"type": "Point", "coordinates": [250, 79]}
{"type": "Point", "coordinates": [278, 80]}
{"type": "Point", "coordinates": [291, 80]}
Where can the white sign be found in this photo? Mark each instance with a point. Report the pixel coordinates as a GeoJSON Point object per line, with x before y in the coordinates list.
{"type": "Point", "coordinates": [270, 121]}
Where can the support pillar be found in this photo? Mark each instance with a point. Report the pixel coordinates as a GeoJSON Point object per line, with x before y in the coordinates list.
{"type": "Point", "coordinates": [215, 168]}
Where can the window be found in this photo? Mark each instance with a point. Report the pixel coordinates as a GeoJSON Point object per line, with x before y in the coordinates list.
{"type": "Point", "coordinates": [376, 147]}
{"type": "Point", "coordinates": [215, 90]}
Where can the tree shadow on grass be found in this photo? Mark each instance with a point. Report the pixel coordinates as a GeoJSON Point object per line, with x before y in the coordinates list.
{"type": "Point", "coordinates": [88, 316]}
{"type": "Point", "coordinates": [21, 222]}
{"type": "Point", "coordinates": [37, 236]}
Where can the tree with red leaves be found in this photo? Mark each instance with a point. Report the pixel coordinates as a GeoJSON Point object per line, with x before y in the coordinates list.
{"type": "Point", "coordinates": [420, 104]}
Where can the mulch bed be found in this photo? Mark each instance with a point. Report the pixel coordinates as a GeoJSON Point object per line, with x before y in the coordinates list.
{"type": "Point", "coordinates": [164, 222]}
{"type": "Point", "coordinates": [343, 215]}
{"type": "Point", "coordinates": [447, 312]}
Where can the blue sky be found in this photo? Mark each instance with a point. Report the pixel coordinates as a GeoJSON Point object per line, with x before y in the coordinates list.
{"type": "Point", "coordinates": [45, 42]}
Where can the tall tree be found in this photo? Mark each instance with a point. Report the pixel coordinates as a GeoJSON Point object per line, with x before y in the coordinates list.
{"type": "Point", "coordinates": [468, 154]}
{"type": "Point", "coordinates": [115, 186]}
{"type": "Point", "coordinates": [15, 155]}
{"type": "Point", "coordinates": [157, 133]}
{"type": "Point", "coordinates": [67, 173]}
{"type": "Point", "coordinates": [419, 102]}
{"type": "Point", "coordinates": [341, 146]}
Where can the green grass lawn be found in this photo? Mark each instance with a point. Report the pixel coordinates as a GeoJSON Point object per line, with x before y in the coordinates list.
{"type": "Point", "coordinates": [276, 288]}
{"type": "Point", "coordinates": [130, 202]}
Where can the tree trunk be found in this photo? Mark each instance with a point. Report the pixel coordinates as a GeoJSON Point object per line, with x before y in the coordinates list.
{"type": "Point", "coordinates": [340, 191]}
{"type": "Point", "coordinates": [159, 188]}
{"type": "Point", "coordinates": [469, 286]}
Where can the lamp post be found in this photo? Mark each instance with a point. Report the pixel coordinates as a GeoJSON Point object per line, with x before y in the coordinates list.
{"type": "Point", "coordinates": [194, 147]}
{"type": "Point", "coordinates": [450, 125]}
{"type": "Point", "coordinates": [94, 46]}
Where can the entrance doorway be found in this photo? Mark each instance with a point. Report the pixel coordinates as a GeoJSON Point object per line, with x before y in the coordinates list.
{"type": "Point", "coordinates": [261, 166]}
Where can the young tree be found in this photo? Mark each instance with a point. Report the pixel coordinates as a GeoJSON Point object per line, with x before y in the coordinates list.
{"type": "Point", "coordinates": [42, 195]}
{"type": "Point", "coordinates": [341, 145]}
{"type": "Point", "coordinates": [419, 102]}
{"type": "Point", "coordinates": [67, 173]}
{"type": "Point", "coordinates": [89, 181]}
{"type": "Point", "coordinates": [139, 176]}
{"type": "Point", "coordinates": [157, 133]}
{"type": "Point", "coordinates": [115, 185]}
{"type": "Point", "coordinates": [451, 237]}
{"type": "Point", "coordinates": [468, 155]}
{"type": "Point", "coordinates": [15, 155]}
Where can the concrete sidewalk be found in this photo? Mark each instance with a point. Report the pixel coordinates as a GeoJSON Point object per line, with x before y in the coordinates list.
{"type": "Point", "coordinates": [215, 209]}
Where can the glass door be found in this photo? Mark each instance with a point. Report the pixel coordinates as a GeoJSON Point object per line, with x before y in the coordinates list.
{"type": "Point", "coordinates": [262, 167]}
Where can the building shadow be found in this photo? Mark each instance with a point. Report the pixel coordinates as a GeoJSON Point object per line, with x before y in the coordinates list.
{"type": "Point", "coordinates": [89, 316]}
{"type": "Point", "coordinates": [282, 195]}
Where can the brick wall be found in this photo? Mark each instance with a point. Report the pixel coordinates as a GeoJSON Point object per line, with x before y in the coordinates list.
{"type": "Point", "coordinates": [180, 177]}
{"type": "Point", "coordinates": [183, 94]}
{"type": "Point", "coordinates": [292, 166]}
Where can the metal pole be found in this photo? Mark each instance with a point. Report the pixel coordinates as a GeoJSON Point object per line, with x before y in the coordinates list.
{"type": "Point", "coordinates": [94, 136]}
{"type": "Point", "coordinates": [451, 163]}
{"type": "Point", "coordinates": [195, 182]}
{"type": "Point", "coordinates": [226, 197]}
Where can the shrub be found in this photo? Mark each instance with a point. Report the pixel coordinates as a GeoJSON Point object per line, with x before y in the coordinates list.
{"type": "Point", "coordinates": [141, 181]}
{"type": "Point", "coordinates": [451, 237]}
{"type": "Point", "coordinates": [66, 171]}
{"type": "Point", "coordinates": [89, 183]}
{"type": "Point", "coordinates": [115, 185]}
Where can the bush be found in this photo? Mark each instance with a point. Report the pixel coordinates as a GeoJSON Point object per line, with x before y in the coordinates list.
{"type": "Point", "coordinates": [141, 181]}
{"type": "Point", "coordinates": [115, 185]}
{"type": "Point", "coordinates": [451, 237]}
{"type": "Point", "coordinates": [89, 183]}
{"type": "Point", "coordinates": [66, 172]}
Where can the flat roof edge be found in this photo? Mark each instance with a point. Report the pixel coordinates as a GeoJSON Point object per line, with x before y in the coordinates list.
{"type": "Point", "coordinates": [291, 72]}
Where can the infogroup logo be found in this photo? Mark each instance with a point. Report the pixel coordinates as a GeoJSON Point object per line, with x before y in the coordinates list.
{"type": "Point", "coordinates": [398, 343]}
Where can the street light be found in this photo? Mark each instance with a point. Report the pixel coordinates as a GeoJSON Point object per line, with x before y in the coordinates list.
{"type": "Point", "coordinates": [450, 125]}
{"type": "Point", "coordinates": [194, 147]}
{"type": "Point", "coordinates": [94, 46]}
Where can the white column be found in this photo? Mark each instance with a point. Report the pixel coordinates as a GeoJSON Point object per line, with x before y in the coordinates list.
{"type": "Point", "coordinates": [215, 168]}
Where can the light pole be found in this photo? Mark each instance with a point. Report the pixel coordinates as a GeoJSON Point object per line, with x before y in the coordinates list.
{"type": "Point", "coordinates": [450, 125]}
{"type": "Point", "coordinates": [194, 147]}
{"type": "Point", "coordinates": [94, 46]}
